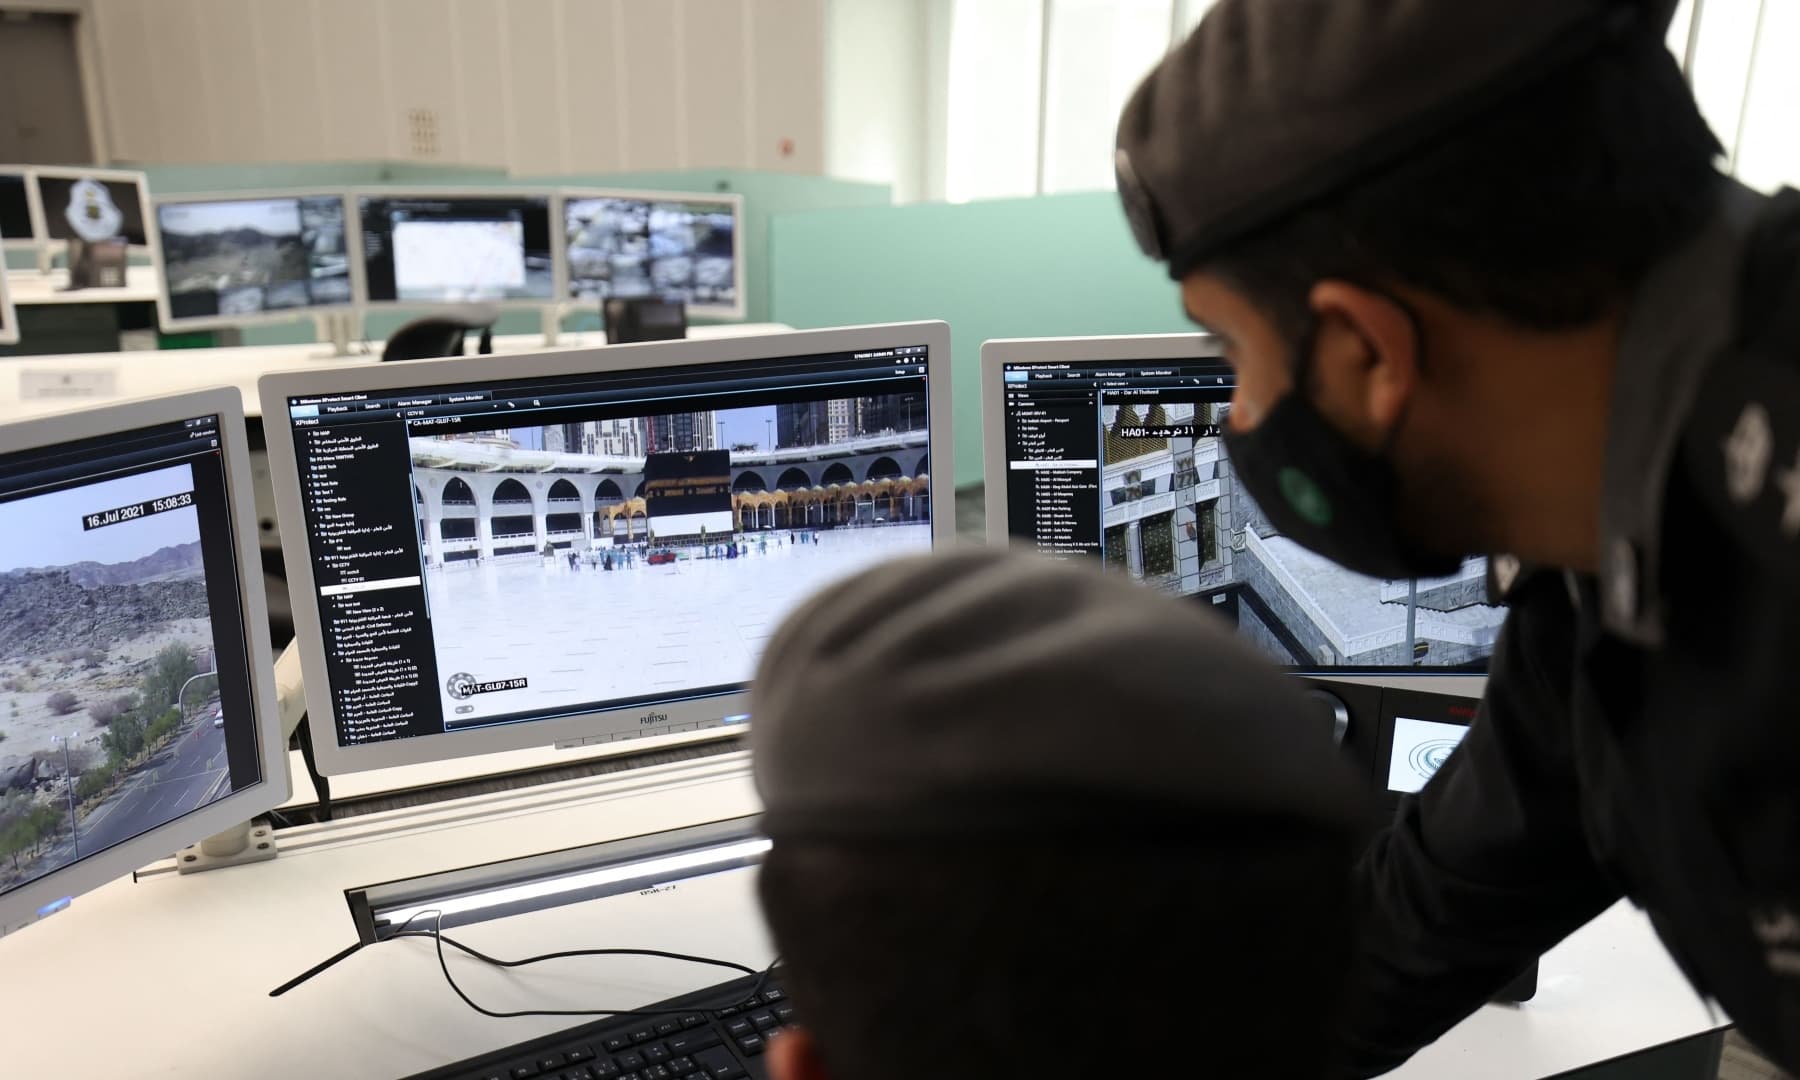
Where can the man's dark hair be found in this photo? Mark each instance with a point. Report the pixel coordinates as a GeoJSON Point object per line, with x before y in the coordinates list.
{"type": "Point", "coordinates": [1545, 210]}
{"type": "Point", "coordinates": [1218, 951]}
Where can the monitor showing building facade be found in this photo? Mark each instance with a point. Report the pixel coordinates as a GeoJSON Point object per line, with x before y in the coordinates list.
{"type": "Point", "coordinates": [1122, 461]}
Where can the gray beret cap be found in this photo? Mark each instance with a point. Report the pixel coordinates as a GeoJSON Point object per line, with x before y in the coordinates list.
{"type": "Point", "coordinates": [986, 691]}
{"type": "Point", "coordinates": [1273, 103]}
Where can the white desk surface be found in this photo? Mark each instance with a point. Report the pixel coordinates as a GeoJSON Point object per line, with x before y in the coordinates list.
{"type": "Point", "coordinates": [168, 371]}
{"type": "Point", "coordinates": [169, 976]}
{"type": "Point", "coordinates": [32, 287]}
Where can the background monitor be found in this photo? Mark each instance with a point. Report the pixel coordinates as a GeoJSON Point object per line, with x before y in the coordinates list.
{"type": "Point", "coordinates": [429, 248]}
{"type": "Point", "coordinates": [656, 245]}
{"type": "Point", "coordinates": [137, 692]}
{"type": "Point", "coordinates": [16, 229]}
{"type": "Point", "coordinates": [91, 204]}
{"type": "Point", "coordinates": [229, 260]}
{"type": "Point", "coordinates": [1108, 448]}
{"type": "Point", "coordinates": [9, 316]}
{"type": "Point", "coordinates": [587, 546]}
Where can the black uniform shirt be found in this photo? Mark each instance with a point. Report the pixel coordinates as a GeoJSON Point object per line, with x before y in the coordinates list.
{"type": "Point", "coordinates": [1640, 733]}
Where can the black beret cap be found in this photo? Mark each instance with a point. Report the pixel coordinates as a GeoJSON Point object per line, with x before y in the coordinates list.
{"type": "Point", "coordinates": [1273, 103]}
{"type": "Point", "coordinates": [988, 693]}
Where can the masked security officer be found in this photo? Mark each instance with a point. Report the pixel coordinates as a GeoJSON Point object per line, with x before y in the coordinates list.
{"type": "Point", "coordinates": [1486, 291]}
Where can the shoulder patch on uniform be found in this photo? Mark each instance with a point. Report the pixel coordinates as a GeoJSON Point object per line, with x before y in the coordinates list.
{"type": "Point", "coordinates": [1742, 451]}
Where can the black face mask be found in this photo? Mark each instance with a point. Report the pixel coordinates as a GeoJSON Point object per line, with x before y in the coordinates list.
{"type": "Point", "coordinates": [1325, 493]}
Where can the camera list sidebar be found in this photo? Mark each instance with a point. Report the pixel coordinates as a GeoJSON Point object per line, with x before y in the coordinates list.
{"type": "Point", "coordinates": [1052, 462]}
{"type": "Point", "coordinates": [371, 594]}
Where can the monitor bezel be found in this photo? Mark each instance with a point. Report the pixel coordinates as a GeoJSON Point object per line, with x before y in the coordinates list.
{"type": "Point", "coordinates": [22, 243]}
{"type": "Point", "coordinates": [274, 389]}
{"type": "Point", "coordinates": [999, 352]}
{"type": "Point", "coordinates": [40, 223]}
{"type": "Point", "coordinates": [725, 312]}
{"type": "Point", "coordinates": [9, 314]}
{"type": "Point", "coordinates": [24, 903]}
{"type": "Point", "coordinates": [359, 270]}
{"type": "Point", "coordinates": [164, 316]}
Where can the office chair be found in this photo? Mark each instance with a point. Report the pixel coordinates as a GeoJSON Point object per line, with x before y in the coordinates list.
{"type": "Point", "coordinates": [634, 320]}
{"type": "Point", "coordinates": [439, 335]}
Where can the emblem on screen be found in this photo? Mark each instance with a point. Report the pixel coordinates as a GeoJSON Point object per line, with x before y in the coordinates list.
{"type": "Point", "coordinates": [1420, 749]}
{"type": "Point", "coordinates": [461, 686]}
{"type": "Point", "coordinates": [1427, 758]}
{"type": "Point", "coordinates": [91, 211]}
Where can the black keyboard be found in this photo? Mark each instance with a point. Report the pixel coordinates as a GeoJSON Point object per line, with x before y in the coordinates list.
{"type": "Point", "coordinates": [689, 1038]}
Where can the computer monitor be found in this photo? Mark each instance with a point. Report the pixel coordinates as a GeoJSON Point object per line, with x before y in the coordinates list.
{"type": "Point", "coordinates": [656, 245]}
{"type": "Point", "coordinates": [251, 257]}
{"type": "Point", "coordinates": [16, 229]}
{"type": "Point", "coordinates": [1108, 448]}
{"type": "Point", "coordinates": [9, 318]}
{"type": "Point", "coordinates": [137, 694]}
{"type": "Point", "coordinates": [90, 205]}
{"type": "Point", "coordinates": [428, 248]}
{"type": "Point", "coordinates": [587, 546]}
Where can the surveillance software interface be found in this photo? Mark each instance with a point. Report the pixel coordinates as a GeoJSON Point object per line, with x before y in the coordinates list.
{"type": "Point", "coordinates": [447, 249]}
{"type": "Point", "coordinates": [1122, 461]}
{"type": "Point", "coordinates": [92, 208]}
{"type": "Point", "coordinates": [639, 248]}
{"type": "Point", "coordinates": [231, 257]}
{"type": "Point", "coordinates": [15, 208]}
{"type": "Point", "coordinates": [124, 686]}
{"type": "Point", "coordinates": [503, 552]}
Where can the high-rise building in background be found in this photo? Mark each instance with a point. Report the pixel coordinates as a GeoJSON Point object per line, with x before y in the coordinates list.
{"type": "Point", "coordinates": [890, 412]}
{"type": "Point", "coordinates": [804, 423]}
{"type": "Point", "coordinates": [839, 418]}
{"type": "Point", "coordinates": [680, 433]}
{"type": "Point", "coordinates": [619, 438]}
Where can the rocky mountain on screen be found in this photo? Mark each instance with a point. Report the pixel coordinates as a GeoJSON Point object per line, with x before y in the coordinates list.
{"type": "Point", "coordinates": [45, 611]}
{"type": "Point", "coordinates": [182, 560]}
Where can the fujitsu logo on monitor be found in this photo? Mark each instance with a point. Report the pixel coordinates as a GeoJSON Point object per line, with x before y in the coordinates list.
{"type": "Point", "coordinates": [650, 718]}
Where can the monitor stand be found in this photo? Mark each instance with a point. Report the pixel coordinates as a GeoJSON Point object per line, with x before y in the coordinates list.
{"type": "Point", "coordinates": [252, 841]}
{"type": "Point", "coordinates": [552, 323]}
{"type": "Point", "coordinates": [335, 328]}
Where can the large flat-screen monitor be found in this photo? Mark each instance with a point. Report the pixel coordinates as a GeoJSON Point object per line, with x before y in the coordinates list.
{"type": "Point", "coordinates": [91, 205]}
{"type": "Point", "coordinates": [656, 245]}
{"type": "Point", "coordinates": [591, 545]}
{"type": "Point", "coordinates": [137, 694]}
{"type": "Point", "coordinates": [9, 318]}
{"type": "Point", "coordinates": [16, 228]}
{"type": "Point", "coordinates": [432, 248]}
{"type": "Point", "coordinates": [1108, 448]}
{"type": "Point", "coordinates": [251, 257]}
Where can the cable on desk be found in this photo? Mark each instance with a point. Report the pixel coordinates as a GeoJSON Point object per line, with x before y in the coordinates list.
{"type": "Point", "coordinates": [437, 933]}
{"type": "Point", "coordinates": [441, 939]}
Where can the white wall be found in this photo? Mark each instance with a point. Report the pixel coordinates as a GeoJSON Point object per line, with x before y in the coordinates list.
{"type": "Point", "coordinates": [1747, 83]}
{"type": "Point", "coordinates": [877, 74]}
{"type": "Point", "coordinates": [536, 86]}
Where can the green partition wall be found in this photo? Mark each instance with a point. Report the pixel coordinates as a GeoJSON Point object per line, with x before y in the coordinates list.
{"type": "Point", "coordinates": [1051, 266]}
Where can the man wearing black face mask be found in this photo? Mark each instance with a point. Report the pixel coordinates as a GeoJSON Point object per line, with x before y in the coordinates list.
{"type": "Point", "coordinates": [1487, 292]}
